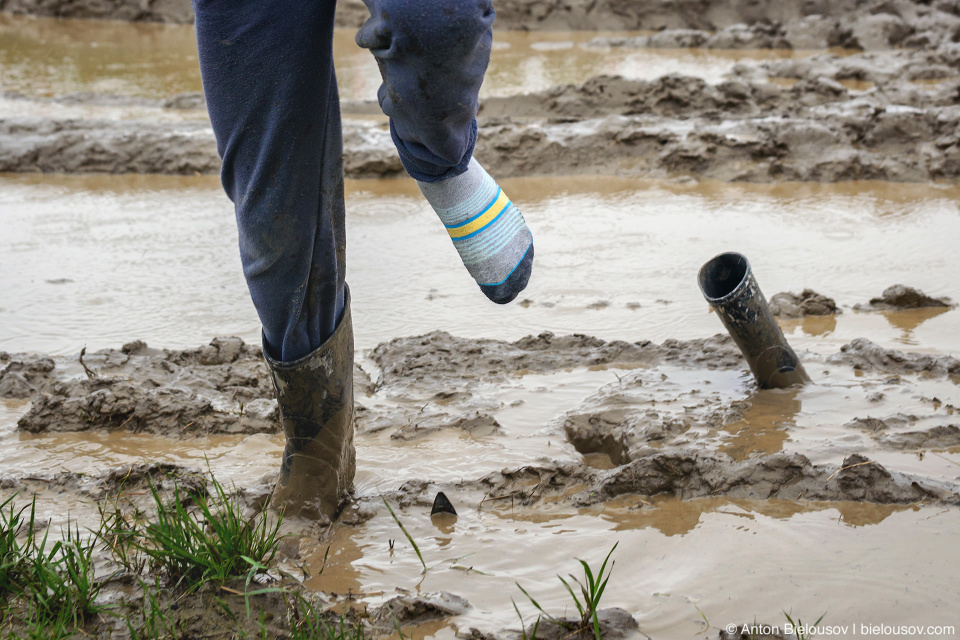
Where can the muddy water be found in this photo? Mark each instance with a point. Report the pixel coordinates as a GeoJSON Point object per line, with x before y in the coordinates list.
{"type": "Point", "coordinates": [734, 561]}
{"type": "Point", "coordinates": [101, 260]}
{"type": "Point", "coordinates": [47, 57]}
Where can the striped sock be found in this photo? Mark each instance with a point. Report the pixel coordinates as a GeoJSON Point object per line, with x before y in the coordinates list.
{"type": "Point", "coordinates": [488, 231]}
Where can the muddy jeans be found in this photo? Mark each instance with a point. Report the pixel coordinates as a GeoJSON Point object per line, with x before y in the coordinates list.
{"type": "Point", "coordinates": [268, 77]}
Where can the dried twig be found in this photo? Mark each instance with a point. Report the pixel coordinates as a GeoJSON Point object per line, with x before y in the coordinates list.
{"type": "Point", "coordinates": [87, 370]}
{"type": "Point", "coordinates": [849, 467]}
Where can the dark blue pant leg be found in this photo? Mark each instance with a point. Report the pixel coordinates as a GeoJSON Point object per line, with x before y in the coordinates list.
{"type": "Point", "coordinates": [432, 57]}
{"type": "Point", "coordinates": [267, 68]}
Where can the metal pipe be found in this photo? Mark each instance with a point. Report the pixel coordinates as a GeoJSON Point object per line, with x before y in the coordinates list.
{"type": "Point", "coordinates": [728, 284]}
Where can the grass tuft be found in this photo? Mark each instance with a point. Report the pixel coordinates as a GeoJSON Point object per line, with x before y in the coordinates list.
{"type": "Point", "coordinates": [211, 541]}
{"type": "Point", "coordinates": [591, 586]}
{"type": "Point", "coordinates": [47, 589]}
{"type": "Point", "coordinates": [799, 626]}
{"type": "Point", "coordinates": [308, 624]}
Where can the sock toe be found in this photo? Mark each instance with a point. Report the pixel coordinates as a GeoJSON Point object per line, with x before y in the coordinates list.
{"type": "Point", "coordinates": [509, 289]}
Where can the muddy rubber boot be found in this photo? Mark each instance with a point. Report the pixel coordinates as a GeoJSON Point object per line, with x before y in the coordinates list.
{"type": "Point", "coordinates": [315, 394]}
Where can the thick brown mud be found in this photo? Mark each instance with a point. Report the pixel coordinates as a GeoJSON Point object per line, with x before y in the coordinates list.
{"type": "Point", "coordinates": [741, 129]}
{"type": "Point", "coordinates": [878, 22]}
{"type": "Point", "coordinates": [658, 433]}
{"type": "Point", "coordinates": [552, 446]}
{"type": "Point", "coordinates": [823, 117]}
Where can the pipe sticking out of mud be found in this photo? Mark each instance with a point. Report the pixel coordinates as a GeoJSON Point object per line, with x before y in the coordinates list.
{"type": "Point", "coordinates": [727, 283]}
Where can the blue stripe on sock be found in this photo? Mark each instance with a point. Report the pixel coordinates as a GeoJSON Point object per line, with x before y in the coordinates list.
{"type": "Point", "coordinates": [486, 226]}
{"type": "Point", "coordinates": [489, 247]}
{"type": "Point", "coordinates": [469, 204]}
{"type": "Point", "coordinates": [522, 256]}
{"type": "Point", "coordinates": [485, 209]}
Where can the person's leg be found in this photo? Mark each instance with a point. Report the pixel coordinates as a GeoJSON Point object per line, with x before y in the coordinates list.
{"type": "Point", "coordinates": [267, 69]}
{"type": "Point", "coordinates": [432, 58]}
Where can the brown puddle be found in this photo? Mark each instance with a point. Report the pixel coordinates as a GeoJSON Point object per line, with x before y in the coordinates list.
{"type": "Point", "coordinates": [44, 57]}
{"type": "Point", "coordinates": [102, 260]}
{"type": "Point", "coordinates": [732, 560]}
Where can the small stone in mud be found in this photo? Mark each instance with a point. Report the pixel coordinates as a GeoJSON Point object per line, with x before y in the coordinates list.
{"type": "Point", "coordinates": [419, 609]}
{"type": "Point", "coordinates": [902, 297]}
{"type": "Point", "coordinates": [806, 303]}
{"type": "Point", "coordinates": [442, 504]}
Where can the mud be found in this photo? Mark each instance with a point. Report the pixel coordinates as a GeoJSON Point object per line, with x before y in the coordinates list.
{"type": "Point", "coordinates": [864, 355]}
{"type": "Point", "coordinates": [439, 356]}
{"type": "Point", "coordinates": [688, 475]}
{"type": "Point", "coordinates": [741, 129]}
{"type": "Point", "coordinates": [220, 388]}
{"type": "Point", "coordinates": [842, 117]}
{"type": "Point", "coordinates": [878, 23]}
{"type": "Point", "coordinates": [615, 624]}
{"type": "Point", "coordinates": [806, 303]}
{"type": "Point", "coordinates": [899, 296]}
{"type": "Point", "coordinates": [673, 421]}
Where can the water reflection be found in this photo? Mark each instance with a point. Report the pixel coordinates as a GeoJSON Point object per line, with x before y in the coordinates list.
{"type": "Point", "coordinates": [908, 320]}
{"type": "Point", "coordinates": [767, 419]}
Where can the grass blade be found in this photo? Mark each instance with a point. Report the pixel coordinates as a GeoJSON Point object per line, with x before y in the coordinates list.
{"type": "Point", "coordinates": [405, 532]}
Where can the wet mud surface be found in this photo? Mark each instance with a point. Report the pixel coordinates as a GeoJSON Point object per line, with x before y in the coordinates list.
{"type": "Point", "coordinates": [555, 433]}
{"type": "Point", "coordinates": [880, 105]}
{"type": "Point", "coordinates": [680, 420]}
{"type": "Point", "coordinates": [656, 432]}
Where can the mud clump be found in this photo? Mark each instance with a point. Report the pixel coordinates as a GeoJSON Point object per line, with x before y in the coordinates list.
{"type": "Point", "coordinates": [221, 388]}
{"type": "Point", "coordinates": [48, 145]}
{"type": "Point", "coordinates": [19, 379]}
{"type": "Point", "coordinates": [417, 609]}
{"type": "Point", "coordinates": [438, 356]}
{"type": "Point", "coordinates": [865, 355]}
{"type": "Point", "coordinates": [940, 437]}
{"type": "Point", "coordinates": [116, 404]}
{"type": "Point", "coordinates": [686, 474]}
{"type": "Point", "coordinates": [806, 303]}
{"type": "Point", "coordinates": [689, 474]}
{"type": "Point", "coordinates": [902, 297]}
{"type": "Point", "coordinates": [615, 624]}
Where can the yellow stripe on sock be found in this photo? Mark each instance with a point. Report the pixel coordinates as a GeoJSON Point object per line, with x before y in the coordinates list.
{"type": "Point", "coordinates": [475, 225]}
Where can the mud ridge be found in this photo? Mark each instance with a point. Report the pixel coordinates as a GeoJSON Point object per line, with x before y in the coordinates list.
{"type": "Point", "coordinates": [865, 355]}
{"type": "Point", "coordinates": [865, 24]}
{"type": "Point", "coordinates": [672, 126]}
{"type": "Point", "coordinates": [438, 356]}
{"type": "Point", "coordinates": [689, 474]}
{"type": "Point", "coordinates": [220, 388]}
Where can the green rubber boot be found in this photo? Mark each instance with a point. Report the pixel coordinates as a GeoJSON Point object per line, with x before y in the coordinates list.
{"type": "Point", "coordinates": [315, 394]}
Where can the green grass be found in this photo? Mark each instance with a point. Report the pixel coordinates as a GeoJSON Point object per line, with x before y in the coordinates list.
{"type": "Point", "coordinates": [591, 586]}
{"type": "Point", "coordinates": [12, 551]}
{"type": "Point", "coordinates": [156, 623]}
{"type": "Point", "coordinates": [47, 589]}
{"type": "Point", "coordinates": [405, 532]}
{"type": "Point", "coordinates": [210, 541]}
{"type": "Point", "coordinates": [799, 624]}
{"type": "Point", "coordinates": [523, 626]}
{"type": "Point", "coordinates": [308, 624]}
